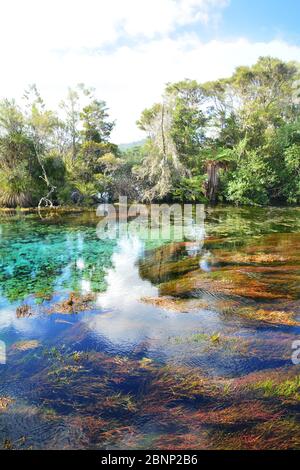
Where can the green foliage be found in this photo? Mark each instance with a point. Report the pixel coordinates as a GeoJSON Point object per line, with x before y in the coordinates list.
{"type": "Point", "coordinates": [96, 128]}
{"type": "Point", "coordinates": [44, 158]}
{"type": "Point", "coordinates": [16, 188]}
{"type": "Point", "coordinates": [18, 164]}
{"type": "Point", "coordinates": [189, 120]}
{"type": "Point", "coordinates": [232, 140]}
{"type": "Point", "coordinates": [288, 389]}
{"type": "Point", "coordinates": [249, 182]}
{"type": "Point", "coordinates": [189, 190]}
{"type": "Point", "coordinates": [292, 184]}
{"type": "Point", "coordinates": [242, 134]}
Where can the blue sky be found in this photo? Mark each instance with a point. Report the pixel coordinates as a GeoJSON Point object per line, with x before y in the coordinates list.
{"type": "Point", "coordinates": [129, 49]}
{"type": "Point", "coordinates": [262, 20]}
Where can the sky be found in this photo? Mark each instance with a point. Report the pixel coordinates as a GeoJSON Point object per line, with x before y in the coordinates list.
{"type": "Point", "coordinates": [129, 49]}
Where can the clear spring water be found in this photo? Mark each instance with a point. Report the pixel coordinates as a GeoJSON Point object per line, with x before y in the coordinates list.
{"type": "Point", "coordinates": [168, 347]}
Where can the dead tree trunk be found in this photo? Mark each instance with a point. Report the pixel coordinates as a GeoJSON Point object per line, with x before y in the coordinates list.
{"type": "Point", "coordinates": [46, 200]}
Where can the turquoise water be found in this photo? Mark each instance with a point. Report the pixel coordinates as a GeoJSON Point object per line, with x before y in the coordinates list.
{"type": "Point", "coordinates": [165, 338]}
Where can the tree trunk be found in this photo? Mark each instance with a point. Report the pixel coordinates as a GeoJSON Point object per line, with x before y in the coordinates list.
{"type": "Point", "coordinates": [45, 199]}
{"type": "Point", "coordinates": [212, 182]}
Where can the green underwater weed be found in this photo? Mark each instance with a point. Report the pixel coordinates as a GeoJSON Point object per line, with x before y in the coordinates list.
{"type": "Point", "coordinates": [289, 389]}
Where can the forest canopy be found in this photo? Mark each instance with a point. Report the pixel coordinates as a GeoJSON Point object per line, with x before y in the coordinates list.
{"type": "Point", "coordinates": [234, 140]}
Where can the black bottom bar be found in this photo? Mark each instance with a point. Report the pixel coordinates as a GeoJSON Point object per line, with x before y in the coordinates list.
{"type": "Point", "coordinates": [137, 459]}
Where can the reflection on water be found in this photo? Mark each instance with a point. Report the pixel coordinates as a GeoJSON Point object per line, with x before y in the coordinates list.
{"type": "Point", "coordinates": [124, 317]}
{"type": "Point", "coordinates": [124, 284]}
{"type": "Point", "coordinates": [121, 301]}
{"type": "Point", "coordinates": [143, 343]}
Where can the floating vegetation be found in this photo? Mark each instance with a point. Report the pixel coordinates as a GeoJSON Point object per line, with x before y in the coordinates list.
{"type": "Point", "coordinates": [74, 304]}
{"type": "Point", "coordinates": [24, 311]}
{"type": "Point", "coordinates": [25, 345]}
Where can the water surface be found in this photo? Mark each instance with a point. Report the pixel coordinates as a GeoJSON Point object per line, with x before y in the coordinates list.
{"type": "Point", "coordinates": [132, 343]}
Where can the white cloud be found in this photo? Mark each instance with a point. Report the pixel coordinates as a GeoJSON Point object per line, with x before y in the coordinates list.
{"type": "Point", "coordinates": [60, 43]}
{"type": "Point", "coordinates": [51, 24]}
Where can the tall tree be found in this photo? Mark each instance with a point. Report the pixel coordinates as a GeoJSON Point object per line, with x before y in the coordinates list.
{"type": "Point", "coordinates": [161, 166]}
{"type": "Point", "coordinates": [41, 124]}
{"type": "Point", "coordinates": [18, 164]}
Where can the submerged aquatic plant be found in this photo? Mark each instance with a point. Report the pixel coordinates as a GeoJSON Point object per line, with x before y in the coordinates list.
{"type": "Point", "coordinates": [204, 380]}
{"type": "Point", "coordinates": [288, 389]}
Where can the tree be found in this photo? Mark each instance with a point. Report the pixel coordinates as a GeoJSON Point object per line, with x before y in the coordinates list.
{"type": "Point", "coordinates": [41, 124]}
{"type": "Point", "coordinates": [265, 97]}
{"type": "Point", "coordinates": [72, 108]}
{"type": "Point", "coordinates": [96, 127]}
{"type": "Point", "coordinates": [201, 129]}
{"type": "Point", "coordinates": [236, 139]}
{"type": "Point", "coordinates": [161, 166]}
{"type": "Point", "coordinates": [188, 119]}
{"type": "Point", "coordinates": [18, 165]}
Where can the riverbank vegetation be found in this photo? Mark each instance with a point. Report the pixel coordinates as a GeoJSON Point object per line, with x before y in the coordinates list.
{"type": "Point", "coordinates": [233, 140]}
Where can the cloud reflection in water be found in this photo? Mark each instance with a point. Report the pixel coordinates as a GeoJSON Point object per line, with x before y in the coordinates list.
{"type": "Point", "coordinates": [125, 319]}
